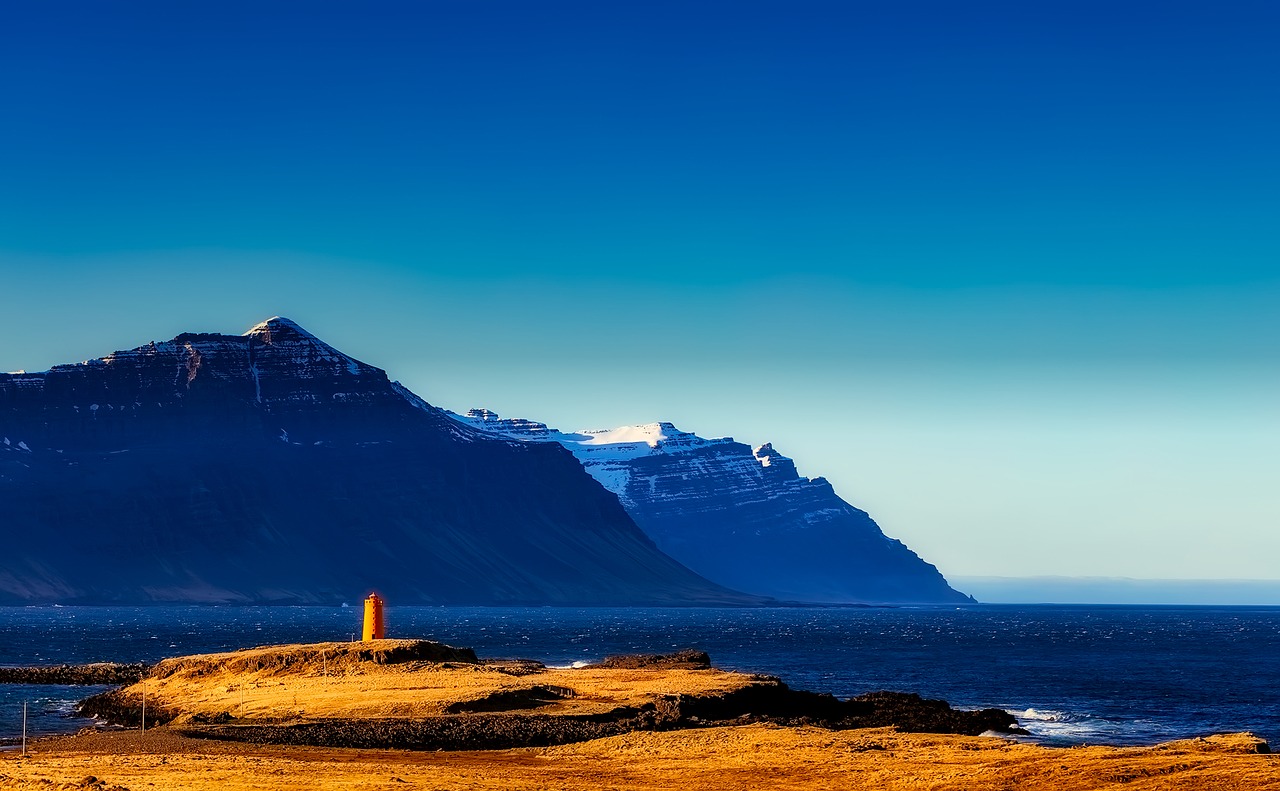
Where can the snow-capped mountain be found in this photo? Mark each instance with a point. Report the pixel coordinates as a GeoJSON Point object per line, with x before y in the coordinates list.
{"type": "Point", "coordinates": [741, 516]}
{"type": "Point", "coordinates": [270, 467]}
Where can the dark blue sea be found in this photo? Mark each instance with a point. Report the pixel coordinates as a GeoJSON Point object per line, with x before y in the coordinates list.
{"type": "Point", "coordinates": [1097, 675]}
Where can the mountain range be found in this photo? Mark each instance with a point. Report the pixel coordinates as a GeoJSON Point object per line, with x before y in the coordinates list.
{"type": "Point", "coordinates": [269, 467]}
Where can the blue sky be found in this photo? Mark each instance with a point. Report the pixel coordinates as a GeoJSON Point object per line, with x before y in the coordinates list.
{"type": "Point", "coordinates": [1006, 273]}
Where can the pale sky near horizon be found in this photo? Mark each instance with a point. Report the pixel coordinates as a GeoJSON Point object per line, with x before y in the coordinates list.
{"type": "Point", "coordinates": [1006, 275]}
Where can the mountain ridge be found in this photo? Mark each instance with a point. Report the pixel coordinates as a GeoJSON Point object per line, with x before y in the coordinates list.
{"type": "Point", "coordinates": [740, 515]}
{"type": "Point", "coordinates": [269, 467]}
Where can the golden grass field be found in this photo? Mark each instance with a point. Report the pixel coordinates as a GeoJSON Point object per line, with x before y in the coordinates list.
{"type": "Point", "coordinates": [285, 683]}
{"type": "Point", "coordinates": [730, 758]}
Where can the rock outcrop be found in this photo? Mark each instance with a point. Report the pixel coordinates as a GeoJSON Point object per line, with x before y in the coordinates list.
{"type": "Point", "coordinates": [742, 516]}
{"type": "Point", "coordinates": [75, 675]}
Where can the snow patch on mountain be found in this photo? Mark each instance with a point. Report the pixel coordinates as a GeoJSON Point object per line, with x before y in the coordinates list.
{"type": "Point", "coordinates": [595, 445]}
{"type": "Point", "coordinates": [609, 455]}
{"type": "Point", "coordinates": [277, 323]}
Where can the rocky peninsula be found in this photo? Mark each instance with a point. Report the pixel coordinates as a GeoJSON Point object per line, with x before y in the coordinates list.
{"type": "Point", "coordinates": [421, 695]}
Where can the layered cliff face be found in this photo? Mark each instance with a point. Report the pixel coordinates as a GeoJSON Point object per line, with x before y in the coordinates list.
{"type": "Point", "coordinates": [269, 467]}
{"type": "Point", "coordinates": [741, 516]}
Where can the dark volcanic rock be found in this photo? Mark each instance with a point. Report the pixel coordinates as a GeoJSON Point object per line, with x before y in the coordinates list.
{"type": "Point", "coordinates": [451, 732]}
{"type": "Point", "coordinates": [269, 467]}
{"type": "Point", "coordinates": [117, 707]}
{"type": "Point", "coordinates": [513, 699]}
{"type": "Point", "coordinates": [742, 517]}
{"type": "Point", "coordinates": [74, 675]}
{"type": "Point", "coordinates": [909, 712]}
{"type": "Point", "coordinates": [765, 702]}
{"type": "Point", "coordinates": [906, 711]}
{"type": "Point", "coordinates": [680, 660]}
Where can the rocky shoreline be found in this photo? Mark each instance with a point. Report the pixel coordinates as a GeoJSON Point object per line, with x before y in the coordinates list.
{"type": "Point", "coordinates": [95, 674]}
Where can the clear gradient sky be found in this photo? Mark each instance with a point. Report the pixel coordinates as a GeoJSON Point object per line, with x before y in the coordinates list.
{"type": "Point", "coordinates": [1008, 274]}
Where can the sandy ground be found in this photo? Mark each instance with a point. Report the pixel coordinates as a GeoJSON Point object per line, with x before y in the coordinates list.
{"type": "Point", "coordinates": [729, 758]}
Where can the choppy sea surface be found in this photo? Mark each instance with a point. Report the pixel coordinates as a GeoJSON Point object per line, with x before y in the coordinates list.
{"type": "Point", "coordinates": [1095, 674]}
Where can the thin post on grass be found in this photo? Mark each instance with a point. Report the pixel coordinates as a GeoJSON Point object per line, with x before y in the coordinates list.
{"type": "Point", "coordinates": [24, 728]}
{"type": "Point", "coordinates": [144, 707]}
{"type": "Point", "coordinates": [324, 661]}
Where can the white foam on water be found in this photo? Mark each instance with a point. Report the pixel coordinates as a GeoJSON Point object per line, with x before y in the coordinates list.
{"type": "Point", "coordinates": [1067, 726]}
{"type": "Point", "coordinates": [570, 666]}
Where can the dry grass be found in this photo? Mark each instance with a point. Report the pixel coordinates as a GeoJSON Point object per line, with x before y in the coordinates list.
{"type": "Point", "coordinates": [284, 682]}
{"type": "Point", "coordinates": [316, 682]}
{"type": "Point", "coordinates": [728, 758]}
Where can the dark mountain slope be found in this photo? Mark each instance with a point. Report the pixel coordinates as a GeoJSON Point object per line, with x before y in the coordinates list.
{"type": "Point", "coordinates": [270, 467]}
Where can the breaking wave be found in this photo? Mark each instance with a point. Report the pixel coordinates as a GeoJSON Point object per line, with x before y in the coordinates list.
{"type": "Point", "coordinates": [1056, 726]}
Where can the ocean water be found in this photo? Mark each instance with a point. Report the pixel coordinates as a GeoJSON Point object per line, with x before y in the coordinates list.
{"type": "Point", "coordinates": [1072, 675]}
